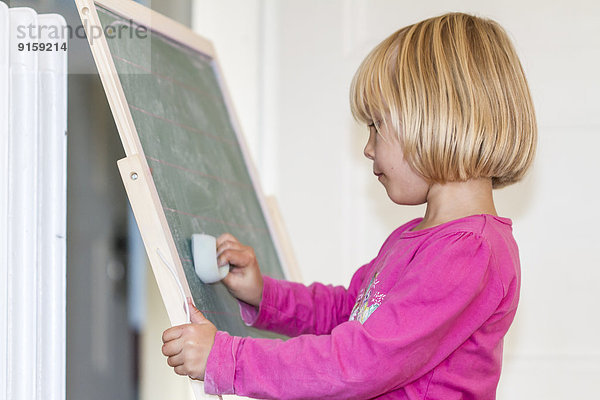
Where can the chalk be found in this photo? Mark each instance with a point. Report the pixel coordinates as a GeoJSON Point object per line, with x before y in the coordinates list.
{"type": "Point", "coordinates": [204, 251]}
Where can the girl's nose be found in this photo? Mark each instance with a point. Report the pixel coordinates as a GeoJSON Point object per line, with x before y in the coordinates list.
{"type": "Point", "coordinates": [368, 151]}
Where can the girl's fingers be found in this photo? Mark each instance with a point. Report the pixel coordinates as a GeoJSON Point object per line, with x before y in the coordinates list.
{"type": "Point", "coordinates": [172, 348]}
{"type": "Point", "coordinates": [180, 370]}
{"type": "Point", "coordinates": [196, 316]}
{"type": "Point", "coordinates": [192, 306]}
{"type": "Point", "coordinates": [225, 237]}
{"type": "Point", "coordinates": [171, 334]}
{"type": "Point", "coordinates": [234, 277]}
{"type": "Point", "coordinates": [176, 360]}
{"type": "Point", "coordinates": [228, 245]}
{"type": "Point", "coordinates": [232, 256]}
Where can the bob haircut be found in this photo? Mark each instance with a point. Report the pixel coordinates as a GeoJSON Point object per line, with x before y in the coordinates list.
{"type": "Point", "coordinates": [455, 93]}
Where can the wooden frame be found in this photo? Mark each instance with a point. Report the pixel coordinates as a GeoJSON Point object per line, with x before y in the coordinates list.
{"type": "Point", "coordinates": [134, 169]}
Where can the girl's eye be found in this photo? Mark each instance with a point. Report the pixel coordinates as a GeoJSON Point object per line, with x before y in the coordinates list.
{"type": "Point", "coordinates": [375, 125]}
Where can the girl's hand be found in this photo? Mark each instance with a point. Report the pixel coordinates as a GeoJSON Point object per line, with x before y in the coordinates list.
{"type": "Point", "coordinates": [188, 346]}
{"type": "Point", "coordinates": [244, 280]}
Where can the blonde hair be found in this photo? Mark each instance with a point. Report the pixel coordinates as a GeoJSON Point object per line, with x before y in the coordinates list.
{"type": "Point", "coordinates": [456, 96]}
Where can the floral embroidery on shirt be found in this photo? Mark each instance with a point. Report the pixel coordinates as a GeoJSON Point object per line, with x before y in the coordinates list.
{"type": "Point", "coordinates": [362, 309]}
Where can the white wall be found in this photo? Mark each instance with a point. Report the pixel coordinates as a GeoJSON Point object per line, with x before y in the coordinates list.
{"type": "Point", "coordinates": [289, 65]}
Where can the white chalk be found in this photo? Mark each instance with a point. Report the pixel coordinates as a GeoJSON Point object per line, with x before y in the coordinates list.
{"type": "Point", "coordinates": [204, 251]}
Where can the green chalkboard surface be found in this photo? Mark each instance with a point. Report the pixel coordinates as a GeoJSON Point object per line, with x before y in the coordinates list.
{"type": "Point", "coordinates": [175, 97]}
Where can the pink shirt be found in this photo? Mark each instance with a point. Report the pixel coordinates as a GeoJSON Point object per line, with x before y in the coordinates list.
{"type": "Point", "coordinates": [425, 319]}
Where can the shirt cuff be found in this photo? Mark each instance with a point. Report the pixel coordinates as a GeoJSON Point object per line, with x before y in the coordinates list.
{"type": "Point", "coordinates": [220, 365]}
{"type": "Point", "coordinates": [257, 318]}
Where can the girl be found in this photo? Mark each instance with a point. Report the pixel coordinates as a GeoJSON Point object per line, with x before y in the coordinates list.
{"type": "Point", "coordinates": [450, 118]}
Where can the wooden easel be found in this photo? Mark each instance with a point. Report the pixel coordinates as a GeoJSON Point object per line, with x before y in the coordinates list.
{"type": "Point", "coordinates": [134, 168]}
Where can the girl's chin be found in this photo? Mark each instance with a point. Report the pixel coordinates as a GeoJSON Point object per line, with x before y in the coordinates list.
{"type": "Point", "coordinates": [402, 197]}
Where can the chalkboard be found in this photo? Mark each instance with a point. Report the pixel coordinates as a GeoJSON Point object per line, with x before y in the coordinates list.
{"type": "Point", "coordinates": [188, 135]}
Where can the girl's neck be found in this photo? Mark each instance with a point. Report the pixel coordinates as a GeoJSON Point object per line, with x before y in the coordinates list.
{"type": "Point", "coordinates": [454, 200]}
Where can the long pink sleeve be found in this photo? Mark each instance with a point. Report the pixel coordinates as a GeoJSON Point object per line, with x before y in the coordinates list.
{"type": "Point", "coordinates": [294, 309]}
{"type": "Point", "coordinates": [443, 301]}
